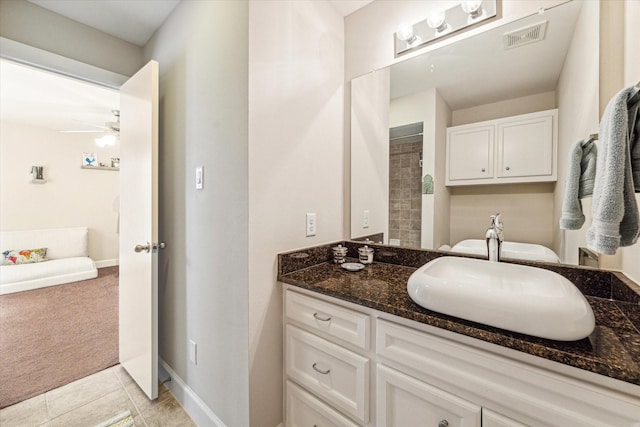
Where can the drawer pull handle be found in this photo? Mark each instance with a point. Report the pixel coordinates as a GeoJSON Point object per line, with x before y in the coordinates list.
{"type": "Point", "coordinates": [320, 371]}
{"type": "Point", "coordinates": [443, 423]}
{"type": "Point", "coordinates": [322, 319]}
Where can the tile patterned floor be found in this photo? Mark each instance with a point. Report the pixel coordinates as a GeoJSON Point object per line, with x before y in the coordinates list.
{"type": "Point", "coordinates": [94, 399]}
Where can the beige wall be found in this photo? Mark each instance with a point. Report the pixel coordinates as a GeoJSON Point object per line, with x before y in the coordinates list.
{"type": "Point", "coordinates": [202, 50]}
{"type": "Point", "coordinates": [578, 117]}
{"type": "Point", "coordinates": [631, 255]}
{"type": "Point", "coordinates": [442, 193]}
{"type": "Point", "coordinates": [35, 26]}
{"type": "Point", "coordinates": [296, 92]}
{"type": "Point", "coordinates": [71, 197]}
{"type": "Point", "coordinates": [370, 116]}
{"type": "Point", "coordinates": [511, 107]}
{"type": "Point", "coordinates": [526, 212]}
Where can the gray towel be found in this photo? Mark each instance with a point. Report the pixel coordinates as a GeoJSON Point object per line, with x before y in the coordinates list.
{"type": "Point", "coordinates": [615, 218]}
{"type": "Point", "coordinates": [634, 136]}
{"type": "Point", "coordinates": [580, 180]}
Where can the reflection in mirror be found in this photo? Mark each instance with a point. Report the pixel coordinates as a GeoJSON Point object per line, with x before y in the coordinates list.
{"type": "Point", "coordinates": [554, 65]}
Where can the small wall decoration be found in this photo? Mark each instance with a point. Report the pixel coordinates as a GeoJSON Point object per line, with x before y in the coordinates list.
{"type": "Point", "coordinates": [427, 184]}
{"type": "Point", "coordinates": [89, 159]}
{"type": "Point", "coordinates": [115, 162]}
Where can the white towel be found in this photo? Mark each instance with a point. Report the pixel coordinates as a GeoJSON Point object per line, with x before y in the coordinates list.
{"type": "Point", "coordinates": [615, 218]}
{"type": "Point", "coordinates": [580, 180]}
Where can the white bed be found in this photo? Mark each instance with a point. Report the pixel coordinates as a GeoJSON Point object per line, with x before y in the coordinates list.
{"type": "Point", "coordinates": [67, 258]}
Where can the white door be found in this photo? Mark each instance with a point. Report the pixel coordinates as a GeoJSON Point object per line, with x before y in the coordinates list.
{"type": "Point", "coordinates": [139, 228]}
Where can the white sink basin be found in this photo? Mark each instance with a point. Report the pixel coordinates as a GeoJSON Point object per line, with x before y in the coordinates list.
{"type": "Point", "coordinates": [516, 250]}
{"type": "Point", "coordinates": [514, 297]}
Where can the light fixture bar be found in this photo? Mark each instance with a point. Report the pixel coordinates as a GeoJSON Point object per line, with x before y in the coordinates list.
{"type": "Point", "coordinates": [442, 22]}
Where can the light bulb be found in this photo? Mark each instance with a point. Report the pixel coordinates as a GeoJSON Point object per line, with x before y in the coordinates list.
{"type": "Point", "coordinates": [436, 20]}
{"type": "Point", "coordinates": [472, 7]}
{"type": "Point", "coordinates": [405, 33]}
{"type": "Point", "coordinates": [108, 139]}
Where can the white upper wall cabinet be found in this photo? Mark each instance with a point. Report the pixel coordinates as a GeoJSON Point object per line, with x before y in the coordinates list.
{"type": "Point", "coordinates": [509, 150]}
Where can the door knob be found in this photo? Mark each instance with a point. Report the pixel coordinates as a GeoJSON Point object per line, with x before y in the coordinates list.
{"type": "Point", "coordinates": [145, 248]}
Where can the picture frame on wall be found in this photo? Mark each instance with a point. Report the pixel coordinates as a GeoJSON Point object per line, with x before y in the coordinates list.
{"type": "Point", "coordinates": [89, 159]}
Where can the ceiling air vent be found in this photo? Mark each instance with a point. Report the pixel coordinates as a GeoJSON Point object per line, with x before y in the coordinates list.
{"type": "Point", "coordinates": [531, 34]}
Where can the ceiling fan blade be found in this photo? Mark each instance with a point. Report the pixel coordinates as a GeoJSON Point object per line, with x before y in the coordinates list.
{"type": "Point", "coordinates": [91, 124]}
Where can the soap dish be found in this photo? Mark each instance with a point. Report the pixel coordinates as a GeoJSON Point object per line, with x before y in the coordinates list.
{"type": "Point", "coordinates": [352, 266]}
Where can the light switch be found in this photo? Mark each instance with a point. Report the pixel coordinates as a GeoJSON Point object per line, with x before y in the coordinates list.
{"type": "Point", "coordinates": [365, 219]}
{"type": "Point", "coordinates": [199, 178]}
{"type": "Point", "coordinates": [311, 224]}
{"type": "Point", "coordinates": [193, 352]}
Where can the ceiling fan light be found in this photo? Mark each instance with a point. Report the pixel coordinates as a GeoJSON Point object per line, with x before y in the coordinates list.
{"type": "Point", "coordinates": [105, 140]}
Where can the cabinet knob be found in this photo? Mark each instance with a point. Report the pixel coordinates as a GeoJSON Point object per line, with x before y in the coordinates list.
{"type": "Point", "coordinates": [483, 169]}
{"type": "Point", "coordinates": [443, 423]}
{"type": "Point", "coordinates": [508, 168]}
{"type": "Point", "coordinates": [320, 371]}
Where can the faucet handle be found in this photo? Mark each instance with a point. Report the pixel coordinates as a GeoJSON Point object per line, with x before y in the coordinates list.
{"type": "Point", "coordinates": [498, 223]}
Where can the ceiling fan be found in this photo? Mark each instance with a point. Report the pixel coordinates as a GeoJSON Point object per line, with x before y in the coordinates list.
{"type": "Point", "coordinates": [110, 130]}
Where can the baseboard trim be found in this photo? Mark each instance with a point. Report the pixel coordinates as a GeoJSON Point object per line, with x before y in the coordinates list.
{"type": "Point", "coordinates": [190, 401]}
{"type": "Point", "coordinates": [107, 263]}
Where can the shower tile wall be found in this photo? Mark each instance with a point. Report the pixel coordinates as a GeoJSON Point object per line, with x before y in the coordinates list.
{"type": "Point", "coordinates": [405, 197]}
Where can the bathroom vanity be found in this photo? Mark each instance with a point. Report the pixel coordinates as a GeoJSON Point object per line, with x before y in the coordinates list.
{"type": "Point", "coordinates": [359, 352]}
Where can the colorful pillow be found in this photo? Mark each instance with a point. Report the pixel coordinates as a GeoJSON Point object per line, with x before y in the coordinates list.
{"type": "Point", "coordinates": [24, 256]}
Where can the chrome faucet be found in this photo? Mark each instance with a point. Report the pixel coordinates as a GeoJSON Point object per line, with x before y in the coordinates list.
{"type": "Point", "coordinates": [494, 238]}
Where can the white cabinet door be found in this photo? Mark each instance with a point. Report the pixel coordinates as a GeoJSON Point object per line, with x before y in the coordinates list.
{"type": "Point", "coordinates": [470, 153]}
{"type": "Point", "coordinates": [525, 148]}
{"type": "Point", "coordinates": [304, 410]}
{"type": "Point", "coordinates": [404, 401]}
{"type": "Point", "coordinates": [493, 419]}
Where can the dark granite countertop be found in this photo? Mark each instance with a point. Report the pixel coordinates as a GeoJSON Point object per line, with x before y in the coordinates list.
{"type": "Point", "coordinates": [612, 350]}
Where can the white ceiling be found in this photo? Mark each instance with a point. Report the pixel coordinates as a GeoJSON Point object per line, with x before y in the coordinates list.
{"type": "Point", "coordinates": [132, 20]}
{"type": "Point", "coordinates": [42, 99]}
{"type": "Point", "coordinates": [136, 20]}
{"type": "Point", "coordinates": [347, 7]}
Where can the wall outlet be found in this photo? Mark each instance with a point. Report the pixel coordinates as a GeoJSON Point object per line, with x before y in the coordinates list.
{"type": "Point", "coordinates": [365, 219]}
{"type": "Point", "coordinates": [311, 224]}
{"type": "Point", "coordinates": [193, 352]}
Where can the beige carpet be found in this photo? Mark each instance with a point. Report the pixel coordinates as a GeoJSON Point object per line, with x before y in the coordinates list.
{"type": "Point", "coordinates": [53, 336]}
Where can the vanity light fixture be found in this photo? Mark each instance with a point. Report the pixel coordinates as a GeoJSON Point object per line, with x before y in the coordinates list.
{"type": "Point", "coordinates": [443, 22]}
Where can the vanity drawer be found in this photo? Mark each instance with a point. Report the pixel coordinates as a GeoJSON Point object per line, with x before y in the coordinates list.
{"type": "Point", "coordinates": [332, 320]}
{"type": "Point", "coordinates": [406, 401]}
{"type": "Point", "coordinates": [333, 373]}
{"type": "Point", "coordinates": [304, 410]}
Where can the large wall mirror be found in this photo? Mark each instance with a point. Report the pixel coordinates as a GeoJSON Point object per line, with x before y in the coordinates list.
{"type": "Point", "coordinates": [400, 116]}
